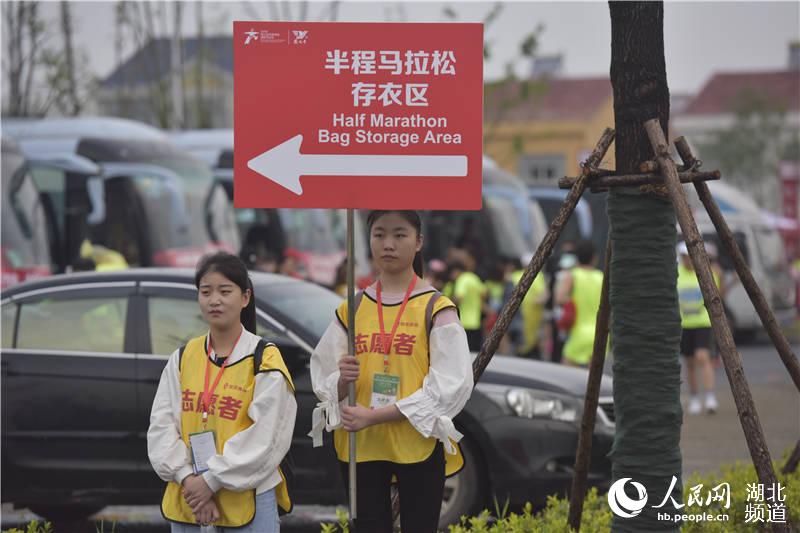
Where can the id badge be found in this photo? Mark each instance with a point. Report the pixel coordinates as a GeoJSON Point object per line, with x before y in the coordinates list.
{"type": "Point", "coordinates": [203, 446]}
{"type": "Point", "coordinates": [384, 390]}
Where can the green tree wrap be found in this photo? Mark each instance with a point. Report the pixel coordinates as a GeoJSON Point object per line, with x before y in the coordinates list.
{"type": "Point", "coordinates": [645, 336]}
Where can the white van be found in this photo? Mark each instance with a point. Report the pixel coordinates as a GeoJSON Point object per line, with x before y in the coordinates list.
{"type": "Point", "coordinates": [763, 249]}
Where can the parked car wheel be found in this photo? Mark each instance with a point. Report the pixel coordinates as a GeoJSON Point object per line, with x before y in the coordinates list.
{"type": "Point", "coordinates": [464, 493]}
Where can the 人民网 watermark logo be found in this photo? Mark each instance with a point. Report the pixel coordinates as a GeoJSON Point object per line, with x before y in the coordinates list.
{"type": "Point", "coordinates": [765, 504]}
{"type": "Point", "coordinates": [623, 506]}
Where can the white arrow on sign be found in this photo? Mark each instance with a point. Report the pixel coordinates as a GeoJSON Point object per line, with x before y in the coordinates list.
{"type": "Point", "coordinates": [284, 164]}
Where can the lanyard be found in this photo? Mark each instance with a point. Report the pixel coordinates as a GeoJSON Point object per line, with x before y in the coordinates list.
{"type": "Point", "coordinates": [205, 399]}
{"type": "Point", "coordinates": [386, 342]}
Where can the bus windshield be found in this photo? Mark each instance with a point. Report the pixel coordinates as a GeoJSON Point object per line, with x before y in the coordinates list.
{"type": "Point", "coordinates": [24, 225]}
{"type": "Point", "coordinates": [310, 230]}
{"type": "Point", "coordinates": [507, 226]}
{"type": "Point", "coordinates": [201, 216]}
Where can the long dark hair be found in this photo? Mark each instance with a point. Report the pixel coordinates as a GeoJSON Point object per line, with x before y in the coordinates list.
{"type": "Point", "coordinates": [235, 270]}
{"type": "Point", "coordinates": [413, 218]}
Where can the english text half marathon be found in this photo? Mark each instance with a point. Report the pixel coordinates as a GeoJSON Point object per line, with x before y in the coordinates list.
{"type": "Point", "coordinates": [379, 120]}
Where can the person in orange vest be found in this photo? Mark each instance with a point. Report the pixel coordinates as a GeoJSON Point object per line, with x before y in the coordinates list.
{"type": "Point", "coordinates": [223, 415]}
{"type": "Point", "coordinates": [413, 374]}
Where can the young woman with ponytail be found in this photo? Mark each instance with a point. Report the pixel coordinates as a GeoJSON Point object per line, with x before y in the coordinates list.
{"type": "Point", "coordinates": [412, 373]}
{"type": "Point", "coordinates": [223, 416]}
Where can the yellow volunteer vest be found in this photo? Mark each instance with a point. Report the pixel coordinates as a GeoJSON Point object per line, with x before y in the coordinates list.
{"type": "Point", "coordinates": [409, 358]}
{"type": "Point", "coordinates": [694, 314]}
{"type": "Point", "coordinates": [227, 416]}
{"type": "Point", "coordinates": [587, 285]}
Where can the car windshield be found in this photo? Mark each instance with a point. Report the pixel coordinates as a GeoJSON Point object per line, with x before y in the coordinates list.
{"type": "Point", "coordinates": [724, 259]}
{"type": "Point", "coordinates": [770, 245]}
{"type": "Point", "coordinates": [308, 307]}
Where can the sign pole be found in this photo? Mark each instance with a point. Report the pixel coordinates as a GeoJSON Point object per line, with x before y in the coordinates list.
{"type": "Point", "coordinates": [351, 350]}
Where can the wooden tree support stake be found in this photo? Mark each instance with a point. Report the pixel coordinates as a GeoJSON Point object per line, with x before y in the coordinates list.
{"type": "Point", "coordinates": [794, 458]}
{"type": "Point", "coordinates": [753, 291]}
{"type": "Point", "coordinates": [541, 255]}
{"type": "Point", "coordinates": [584, 455]}
{"type": "Point", "coordinates": [754, 435]}
{"type": "Point", "coordinates": [604, 182]}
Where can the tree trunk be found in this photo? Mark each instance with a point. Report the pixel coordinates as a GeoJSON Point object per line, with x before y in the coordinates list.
{"type": "Point", "coordinates": [201, 112]}
{"type": "Point", "coordinates": [74, 105]}
{"type": "Point", "coordinates": [34, 29]}
{"type": "Point", "coordinates": [176, 70]}
{"type": "Point", "coordinates": [645, 323]}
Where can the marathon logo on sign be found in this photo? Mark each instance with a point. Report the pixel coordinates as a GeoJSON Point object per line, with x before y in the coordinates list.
{"type": "Point", "coordinates": [377, 116]}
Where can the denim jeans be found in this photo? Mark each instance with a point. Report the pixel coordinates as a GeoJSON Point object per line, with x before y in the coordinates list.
{"type": "Point", "coordinates": [265, 521]}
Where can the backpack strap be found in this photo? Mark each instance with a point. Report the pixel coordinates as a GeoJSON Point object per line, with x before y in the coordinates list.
{"type": "Point", "coordinates": [259, 354]}
{"type": "Point", "coordinates": [429, 313]}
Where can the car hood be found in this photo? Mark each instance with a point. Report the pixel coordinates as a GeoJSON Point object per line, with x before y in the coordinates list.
{"type": "Point", "coordinates": [543, 375]}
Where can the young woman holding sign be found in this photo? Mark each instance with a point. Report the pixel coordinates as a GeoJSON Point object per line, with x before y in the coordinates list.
{"type": "Point", "coordinates": [412, 372]}
{"type": "Point", "coordinates": [223, 415]}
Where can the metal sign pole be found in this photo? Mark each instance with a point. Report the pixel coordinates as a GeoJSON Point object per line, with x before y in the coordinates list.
{"type": "Point", "coordinates": [351, 345]}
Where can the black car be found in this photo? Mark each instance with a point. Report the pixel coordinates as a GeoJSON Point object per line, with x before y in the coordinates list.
{"type": "Point", "coordinates": [82, 355]}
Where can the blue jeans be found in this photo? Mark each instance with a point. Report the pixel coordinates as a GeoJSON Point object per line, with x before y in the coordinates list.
{"type": "Point", "coordinates": [266, 520]}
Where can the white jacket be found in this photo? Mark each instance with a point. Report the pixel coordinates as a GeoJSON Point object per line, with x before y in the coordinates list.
{"type": "Point", "coordinates": [444, 392]}
{"type": "Point", "coordinates": [250, 459]}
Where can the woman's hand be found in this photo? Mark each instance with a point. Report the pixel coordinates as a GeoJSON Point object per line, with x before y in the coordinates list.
{"type": "Point", "coordinates": [348, 369]}
{"type": "Point", "coordinates": [348, 373]}
{"type": "Point", "coordinates": [356, 417]}
{"type": "Point", "coordinates": [196, 492]}
{"type": "Point", "coordinates": [207, 513]}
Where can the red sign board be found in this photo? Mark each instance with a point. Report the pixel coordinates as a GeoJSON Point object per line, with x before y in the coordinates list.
{"type": "Point", "coordinates": [358, 115]}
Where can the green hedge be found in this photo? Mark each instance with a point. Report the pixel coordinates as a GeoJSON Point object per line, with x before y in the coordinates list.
{"type": "Point", "coordinates": [597, 515]}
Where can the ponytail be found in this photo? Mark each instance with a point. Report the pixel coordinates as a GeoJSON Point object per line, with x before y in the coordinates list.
{"type": "Point", "coordinates": [248, 314]}
{"type": "Point", "coordinates": [419, 265]}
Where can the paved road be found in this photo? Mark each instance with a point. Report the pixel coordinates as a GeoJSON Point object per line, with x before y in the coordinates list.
{"type": "Point", "coordinates": [707, 441]}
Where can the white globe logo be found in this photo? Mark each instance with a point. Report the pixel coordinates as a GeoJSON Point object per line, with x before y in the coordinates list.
{"type": "Point", "coordinates": [619, 502]}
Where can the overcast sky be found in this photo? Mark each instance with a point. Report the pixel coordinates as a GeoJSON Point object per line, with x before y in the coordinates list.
{"type": "Point", "coordinates": [700, 38]}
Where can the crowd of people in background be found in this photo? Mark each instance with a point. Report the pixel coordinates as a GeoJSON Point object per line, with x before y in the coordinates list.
{"type": "Point", "coordinates": [560, 305]}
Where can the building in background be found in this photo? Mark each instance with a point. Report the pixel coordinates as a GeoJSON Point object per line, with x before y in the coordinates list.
{"type": "Point", "coordinates": [543, 127]}
{"type": "Point", "coordinates": [141, 87]}
{"type": "Point", "coordinates": [747, 124]}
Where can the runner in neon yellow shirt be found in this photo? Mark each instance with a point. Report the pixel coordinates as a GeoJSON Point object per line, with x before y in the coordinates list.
{"type": "Point", "coordinates": [582, 285]}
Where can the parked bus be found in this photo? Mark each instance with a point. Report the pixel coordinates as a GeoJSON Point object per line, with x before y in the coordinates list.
{"type": "Point", "coordinates": [510, 225]}
{"type": "Point", "coordinates": [162, 205]}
